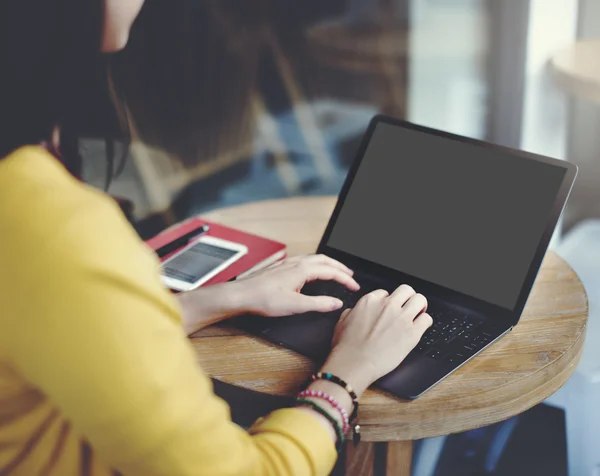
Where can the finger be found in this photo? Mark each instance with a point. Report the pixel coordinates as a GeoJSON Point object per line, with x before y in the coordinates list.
{"type": "Point", "coordinates": [402, 294]}
{"type": "Point", "coordinates": [423, 322]}
{"type": "Point", "coordinates": [345, 314]}
{"type": "Point", "coordinates": [324, 259]}
{"type": "Point", "coordinates": [315, 304]}
{"type": "Point", "coordinates": [377, 294]}
{"type": "Point", "coordinates": [415, 305]}
{"type": "Point", "coordinates": [329, 273]}
{"type": "Point", "coordinates": [341, 324]}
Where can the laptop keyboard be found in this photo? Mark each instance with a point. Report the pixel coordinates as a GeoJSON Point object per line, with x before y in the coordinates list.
{"type": "Point", "coordinates": [454, 337]}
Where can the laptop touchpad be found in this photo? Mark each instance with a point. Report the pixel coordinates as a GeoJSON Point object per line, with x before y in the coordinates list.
{"type": "Point", "coordinates": [309, 334]}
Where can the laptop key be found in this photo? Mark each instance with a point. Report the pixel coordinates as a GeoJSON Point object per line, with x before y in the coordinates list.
{"type": "Point", "coordinates": [435, 354]}
{"type": "Point", "coordinates": [452, 332]}
{"type": "Point", "coordinates": [482, 338]}
{"type": "Point", "coordinates": [471, 324]}
{"type": "Point", "coordinates": [480, 342]}
{"type": "Point", "coordinates": [448, 339]}
{"type": "Point", "coordinates": [455, 358]}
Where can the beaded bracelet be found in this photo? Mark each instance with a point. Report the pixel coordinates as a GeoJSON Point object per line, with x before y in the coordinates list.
{"type": "Point", "coordinates": [336, 426]}
{"type": "Point", "coordinates": [332, 401]}
{"type": "Point", "coordinates": [338, 381]}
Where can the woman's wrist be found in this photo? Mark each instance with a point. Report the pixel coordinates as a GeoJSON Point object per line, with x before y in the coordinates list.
{"type": "Point", "coordinates": [324, 421]}
{"type": "Point", "coordinates": [355, 371]}
{"type": "Point", "coordinates": [332, 399]}
{"type": "Point", "coordinates": [334, 403]}
{"type": "Point", "coordinates": [341, 396]}
{"type": "Point", "coordinates": [207, 306]}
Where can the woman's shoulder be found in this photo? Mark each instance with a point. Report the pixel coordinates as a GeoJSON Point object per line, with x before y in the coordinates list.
{"type": "Point", "coordinates": [40, 202]}
{"type": "Point", "coordinates": [31, 171]}
{"type": "Point", "coordinates": [54, 227]}
{"type": "Point", "coordinates": [35, 187]}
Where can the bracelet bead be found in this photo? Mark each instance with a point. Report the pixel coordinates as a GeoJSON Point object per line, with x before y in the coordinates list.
{"type": "Point", "coordinates": [338, 381]}
{"type": "Point", "coordinates": [336, 426]}
{"type": "Point", "coordinates": [332, 401]}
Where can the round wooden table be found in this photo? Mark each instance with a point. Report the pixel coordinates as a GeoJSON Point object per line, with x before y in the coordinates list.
{"type": "Point", "coordinates": [520, 371]}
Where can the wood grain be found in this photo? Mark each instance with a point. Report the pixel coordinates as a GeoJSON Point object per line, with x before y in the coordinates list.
{"type": "Point", "coordinates": [360, 460]}
{"type": "Point", "coordinates": [399, 458]}
{"type": "Point", "coordinates": [521, 370]}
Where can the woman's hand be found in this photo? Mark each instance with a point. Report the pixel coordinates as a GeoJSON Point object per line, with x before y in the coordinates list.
{"type": "Point", "coordinates": [275, 291]}
{"type": "Point", "coordinates": [372, 339]}
{"type": "Point", "coordinates": [272, 292]}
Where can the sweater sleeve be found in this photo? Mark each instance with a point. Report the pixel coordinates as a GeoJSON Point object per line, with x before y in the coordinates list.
{"type": "Point", "coordinates": [93, 328]}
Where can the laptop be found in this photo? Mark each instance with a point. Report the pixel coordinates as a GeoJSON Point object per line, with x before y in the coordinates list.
{"type": "Point", "coordinates": [464, 222]}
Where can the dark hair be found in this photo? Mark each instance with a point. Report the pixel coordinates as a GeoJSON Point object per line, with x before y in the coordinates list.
{"type": "Point", "coordinates": [51, 68]}
{"type": "Point", "coordinates": [188, 74]}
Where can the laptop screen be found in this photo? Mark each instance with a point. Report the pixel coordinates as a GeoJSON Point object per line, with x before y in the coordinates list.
{"type": "Point", "coordinates": [463, 216]}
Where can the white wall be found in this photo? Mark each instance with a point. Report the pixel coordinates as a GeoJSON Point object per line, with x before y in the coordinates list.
{"type": "Point", "coordinates": [552, 27]}
{"type": "Point", "coordinates": [584, 141]}
{"type": "Point", "coordinates": [447, 83]}
{"type": "Point", "coordinates": [546, 114]}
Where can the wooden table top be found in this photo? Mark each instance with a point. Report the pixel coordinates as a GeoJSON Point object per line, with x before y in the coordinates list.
{"type": "Point", "coordinates": [577, 69]}
{"type": "Point", "coordinates": [521, 370]}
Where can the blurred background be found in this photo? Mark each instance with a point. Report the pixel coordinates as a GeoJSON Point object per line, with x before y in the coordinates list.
{"type": "Point", "coordinates": [231, 101]}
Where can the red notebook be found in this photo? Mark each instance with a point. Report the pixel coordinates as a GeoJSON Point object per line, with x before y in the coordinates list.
{"type": "Point", "coordinates": [262, 252]}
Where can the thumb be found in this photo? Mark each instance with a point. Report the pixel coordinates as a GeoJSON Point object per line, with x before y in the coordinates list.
{"type": "Point", "coordinates": [345, 314]}
{"type": "Point", "coordinates": [304, 303]}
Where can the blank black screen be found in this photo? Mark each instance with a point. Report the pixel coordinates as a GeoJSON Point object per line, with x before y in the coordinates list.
{"type": "Point", "coordinates": [459, 215]}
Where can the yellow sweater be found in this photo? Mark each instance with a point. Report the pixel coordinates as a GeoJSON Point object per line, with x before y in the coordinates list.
{"type": "Point", "coordinates": [96, 374]}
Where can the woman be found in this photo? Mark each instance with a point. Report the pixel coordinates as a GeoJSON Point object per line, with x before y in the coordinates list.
{"type": "Point", "coordinates": [96, 373]}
